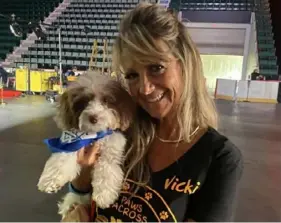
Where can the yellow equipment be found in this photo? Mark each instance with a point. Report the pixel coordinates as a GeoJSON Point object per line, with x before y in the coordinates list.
{"type": "Point", "coordinates": [94, 56]}
{"type": "Point", "coordinates": [105, 57]}
{"type": "Point", "coordinates": [39, 80]}
{"type": "Point", "coordinates": [56, 87]}
{"type": "Point", "coordinates": [22, 79]}
{"type": "Point", "coordinates": [93, 59]}
{"type": "Point", "coordinates": [71, 78]}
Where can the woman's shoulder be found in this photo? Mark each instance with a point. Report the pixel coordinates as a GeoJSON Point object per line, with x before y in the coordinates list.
{"type": "Point", "coordinates": [221, 149]}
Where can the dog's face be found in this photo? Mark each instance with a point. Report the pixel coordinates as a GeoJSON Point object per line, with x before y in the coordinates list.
{"type": "Point", "coordinates": [94, 104]}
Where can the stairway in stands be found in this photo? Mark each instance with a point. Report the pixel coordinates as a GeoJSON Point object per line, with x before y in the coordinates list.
{"type": "Point", "coordinates": [30, 10]}
{"type": "Point", "coordinates": [266, 47]}
{"type": "Point", "coordinates": [102, 16]}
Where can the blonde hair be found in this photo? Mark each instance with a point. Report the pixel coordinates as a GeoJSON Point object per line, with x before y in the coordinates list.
{"type": "Point", "coordinates": [139, 30]}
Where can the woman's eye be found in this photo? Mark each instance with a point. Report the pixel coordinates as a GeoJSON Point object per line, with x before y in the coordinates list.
{"type": "Point", "coordinates": [131, 76]}
{"type": "Point", "coordinates": [156, 69]}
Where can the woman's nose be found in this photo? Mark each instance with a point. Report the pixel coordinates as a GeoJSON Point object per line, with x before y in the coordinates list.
{"type": "Point", "coordinates": [146, 86]}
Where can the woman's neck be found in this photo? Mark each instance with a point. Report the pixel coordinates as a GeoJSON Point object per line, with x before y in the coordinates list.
{"type": "Point", "coordinates": [168, 128]}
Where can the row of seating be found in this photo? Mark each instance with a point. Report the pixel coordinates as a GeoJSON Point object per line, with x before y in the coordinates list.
{"type": "Point", "coordinates": [216, 8]}
{"type": "Point", "coordinates": [31, 10]}
{"type": "Point", "coordinates": [79, 46]}
{"type": "Point", "coordinates": [51, 63]}
{"type": "Point", "coordinates": [93, 12]}
{"type": "Point", "coordinates": [66, 54]}
{"type": "Point", "coordinates": [235, 5]}
{"type": "Point", "coordinates": [103, 6]}
{"type": "Point", "coordinates": [107, 21]}
{"type": "Point", "coordinates": [97, 15]}
{"type": "Point", "coordinates": [98, 27]}
{"type": "Point", "coordinates": [82, 2]}
{"type": "Point", "coordinates": [218, 1]}
{"type": "Point", "coordinates": [82, 34]}
{"type": "Point", "coordinates": [106, 6]}
{"type": "Point", "coordinates": [76, 44]}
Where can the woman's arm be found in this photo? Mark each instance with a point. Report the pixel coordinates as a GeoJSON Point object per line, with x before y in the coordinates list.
{"type": "Point", "coordinates": [215, 200]}
{"type": "Point", "coordinates": [80, 188]}
{"type": "Point", "coordinates": [86, 157]}
{"type": "Point", "coordinates": [83, 181]}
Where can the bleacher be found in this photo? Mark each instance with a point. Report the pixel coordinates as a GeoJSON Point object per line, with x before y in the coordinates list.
{"type": "Point", "coordinates": [266, 46]}
{"type": "Point", "coordinates": [101, 16]}
{"type": "Point", "coordinates": [265, 42]}
{"type": "Point", "coordinates": [213, 5]}
{"type": "Point", "coordinates": [30, 10]}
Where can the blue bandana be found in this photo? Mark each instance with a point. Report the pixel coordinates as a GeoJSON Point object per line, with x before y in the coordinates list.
{"type": "Point", "coordinates": [72, 141]}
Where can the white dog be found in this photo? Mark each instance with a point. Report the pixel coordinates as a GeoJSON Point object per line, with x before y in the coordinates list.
{"type": "Point", "coordinates": [94, 109]}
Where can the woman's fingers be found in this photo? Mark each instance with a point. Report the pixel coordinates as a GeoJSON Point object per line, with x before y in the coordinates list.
{"type": "Point", "coordinates": [88, 155]}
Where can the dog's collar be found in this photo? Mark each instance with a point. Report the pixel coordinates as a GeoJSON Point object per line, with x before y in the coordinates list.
{"type": "Point", "coordinates": [71, 141]}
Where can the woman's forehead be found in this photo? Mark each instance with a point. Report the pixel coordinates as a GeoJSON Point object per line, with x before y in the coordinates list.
{"type": "Point", "coordinates": [158, 54]}
{"type": "Point", "coordinates": [135, 64]}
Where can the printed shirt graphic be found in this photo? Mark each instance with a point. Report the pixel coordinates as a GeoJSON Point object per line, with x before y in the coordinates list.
{"type": "Point", "coordinates": [174, 194]}
{"type": "Point", "coordinates": [146, 206]}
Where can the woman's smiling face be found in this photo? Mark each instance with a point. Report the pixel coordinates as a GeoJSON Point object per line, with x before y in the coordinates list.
{"type": "Point", "coordinates": [157, 87]}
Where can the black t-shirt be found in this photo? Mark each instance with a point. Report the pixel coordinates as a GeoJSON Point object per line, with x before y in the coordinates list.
{"type": "Point", "coordinates": [200, 185]}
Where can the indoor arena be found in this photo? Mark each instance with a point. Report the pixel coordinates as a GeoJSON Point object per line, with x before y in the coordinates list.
{"type": "Point", "coordinates": [47, 46]}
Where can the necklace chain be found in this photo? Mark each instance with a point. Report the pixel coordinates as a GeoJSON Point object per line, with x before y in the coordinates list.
{"type": "Point", "coordinates": [177, 140]}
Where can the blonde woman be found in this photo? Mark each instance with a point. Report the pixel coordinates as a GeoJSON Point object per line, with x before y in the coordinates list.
{"type": "Point", "coordinates": [179, 168]}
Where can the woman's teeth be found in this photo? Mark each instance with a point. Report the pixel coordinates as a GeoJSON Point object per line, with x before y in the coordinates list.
{"type": "Point", "coordinates": [157, 98]}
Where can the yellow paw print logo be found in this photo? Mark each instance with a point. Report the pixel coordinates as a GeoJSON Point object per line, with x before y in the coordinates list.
{"type": "Point", "coordinates": [148, 196]}
{"type": "Point", "coordinates": [163, 215]}
{"type": "Point", "coordinates": [126, 186]}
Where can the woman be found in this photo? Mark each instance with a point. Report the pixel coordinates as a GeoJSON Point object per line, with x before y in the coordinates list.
{"type": "Point", "coordinates": [179, 168]}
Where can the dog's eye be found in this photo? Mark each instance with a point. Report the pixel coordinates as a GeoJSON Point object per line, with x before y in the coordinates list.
{"type": "Point", "coordinates": [108, 100]}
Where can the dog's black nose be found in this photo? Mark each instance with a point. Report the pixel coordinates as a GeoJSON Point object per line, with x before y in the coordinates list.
{"type": "Point", "coordinates": [93, 119]}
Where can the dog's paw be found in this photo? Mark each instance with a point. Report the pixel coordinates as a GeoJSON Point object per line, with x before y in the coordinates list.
{"type": "Point", "coordinates": [107, 183]}
{"type": "Point", "coordinates": [49, 186]}
{"type": "Point", "coordinates": [59, 169]}
{"type": "Point", "coordinates": [105, 198]}
{"type": "Point", "coordinates": [70, 200]}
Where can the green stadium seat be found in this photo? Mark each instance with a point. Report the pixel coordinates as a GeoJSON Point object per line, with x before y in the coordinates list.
{"type": "Point", "coordinates": [34, 10]}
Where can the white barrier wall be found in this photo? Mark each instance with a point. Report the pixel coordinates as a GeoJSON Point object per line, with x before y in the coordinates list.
{"type": "Point", "coordinates": [251, 91]}
{"type": "Point", "coordinates": [263, 91]}
{"type": "Point", "coordinates": [225, 89]}
{"type": "Point", "coordinates": [242, 90]}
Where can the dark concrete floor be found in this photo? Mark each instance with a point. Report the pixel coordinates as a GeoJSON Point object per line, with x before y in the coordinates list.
{"type": "Point", "coordinates": [254, 128]}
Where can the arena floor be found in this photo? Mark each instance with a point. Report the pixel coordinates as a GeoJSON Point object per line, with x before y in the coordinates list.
{"type": "Point", "coordinates": [25, 122]}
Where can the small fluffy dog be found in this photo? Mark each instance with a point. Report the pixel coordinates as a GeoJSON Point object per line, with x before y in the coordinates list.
{"type": "Point", "coordinates": [94, 109]}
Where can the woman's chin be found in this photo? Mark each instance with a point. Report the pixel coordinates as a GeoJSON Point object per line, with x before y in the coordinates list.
{"type": "Point", "coordinates": [158, 114]}
{"type": "Point", "coordinates": [158, 110]}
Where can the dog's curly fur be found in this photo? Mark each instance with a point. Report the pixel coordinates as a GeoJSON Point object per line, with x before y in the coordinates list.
{"type": "Point", "coordinates": [91, 104]}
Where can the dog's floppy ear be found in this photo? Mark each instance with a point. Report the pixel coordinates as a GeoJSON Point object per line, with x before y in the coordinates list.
{"type": "Point", "coordinates": [126, 107]}
{"type": "Point", "coordinates": [64, 115]}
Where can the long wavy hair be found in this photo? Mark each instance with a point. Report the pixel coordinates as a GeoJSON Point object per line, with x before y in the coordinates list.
{"type": "Point", "coordinates": [138, 32]}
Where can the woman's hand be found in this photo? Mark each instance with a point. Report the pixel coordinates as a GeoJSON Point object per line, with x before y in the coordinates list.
{"type": "Point", "coordinates": [87, 156]}
{"type": "Point", "coordinates": [79, 213]}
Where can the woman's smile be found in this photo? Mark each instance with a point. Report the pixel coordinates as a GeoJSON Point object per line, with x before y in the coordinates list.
{"type": "Point", "coordinates": [154, 98]}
